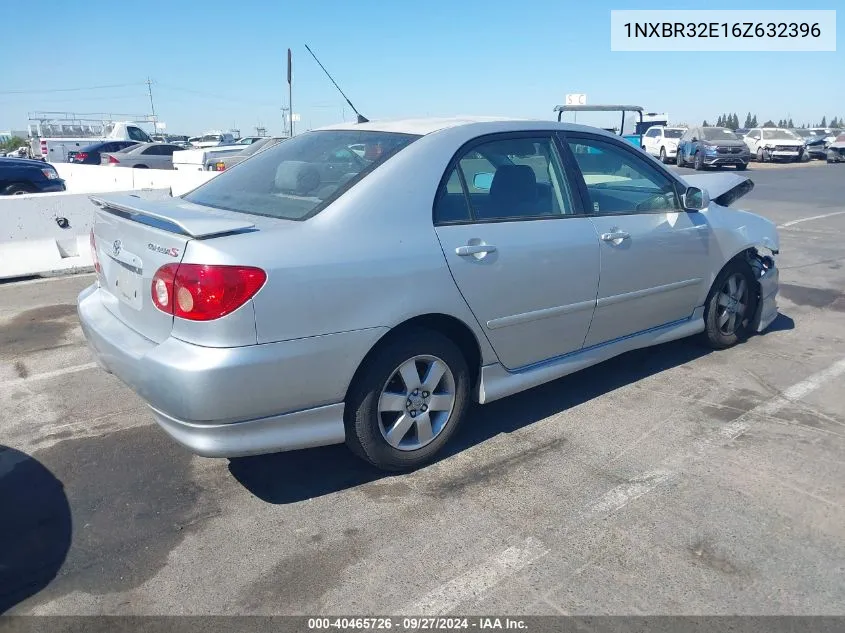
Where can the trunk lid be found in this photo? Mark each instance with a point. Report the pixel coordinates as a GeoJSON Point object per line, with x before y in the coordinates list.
{"type": "Point", "coordinates": [134, 238]}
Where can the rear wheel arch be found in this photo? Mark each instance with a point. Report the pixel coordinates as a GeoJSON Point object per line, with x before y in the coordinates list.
{"type": "Point", "coordinates": [449, 326]}
{"type": "Point", "coordinates": [18, 188]}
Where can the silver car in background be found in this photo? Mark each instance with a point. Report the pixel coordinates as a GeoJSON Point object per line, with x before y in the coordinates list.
{"type": "Point", "coordinates": [143, 156]}
{"type": "Point", "coordinates": [227, 161]}
{"type": "Point", "coordinates": [309, 298]}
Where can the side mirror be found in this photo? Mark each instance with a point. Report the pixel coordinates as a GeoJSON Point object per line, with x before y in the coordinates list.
{"type": "Point", "coordinates": [696, 199]}
{"type": "Point", "coordinates": [483, 181]}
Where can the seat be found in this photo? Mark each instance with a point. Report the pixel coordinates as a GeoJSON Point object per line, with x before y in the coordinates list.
{"type": "Point", "coordinates": [513, 192]}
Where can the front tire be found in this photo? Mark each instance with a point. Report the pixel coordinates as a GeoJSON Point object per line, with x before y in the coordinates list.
{"type": "Point", "coordinates": [742, 167]}
{"type": "Point", "coordinates": [698, 161]}
{"type": "Point", "coordinates": [761, 155]}
{"type": "Point", "coordinates": [662, 154]}
{"type": "Point", "coordinates": [407, 400]}
{"type": "Point", "coordinates": [679, 158]}
{"type": "Point", "coordinates": [730, 306]}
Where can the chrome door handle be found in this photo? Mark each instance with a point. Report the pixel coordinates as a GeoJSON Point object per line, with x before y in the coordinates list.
{"type": "Point", "coordinates": [615, 236]}
{"type": "Point", "coordinates": [475, 249]}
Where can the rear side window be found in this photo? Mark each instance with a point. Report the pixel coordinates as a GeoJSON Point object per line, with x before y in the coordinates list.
{"type": "Point", "coordinates": [505, 179]}
{"type": "Point", "coordinates": [298, 178]}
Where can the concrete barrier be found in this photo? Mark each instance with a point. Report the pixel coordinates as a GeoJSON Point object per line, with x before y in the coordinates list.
{"type": "Point", "coordinates": [98, 179]}
{"type": "Point", "coordinates": [48, 233]}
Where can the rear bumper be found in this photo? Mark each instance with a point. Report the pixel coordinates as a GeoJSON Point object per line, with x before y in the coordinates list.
{"type": "Point", "coordinates": [227, 402]}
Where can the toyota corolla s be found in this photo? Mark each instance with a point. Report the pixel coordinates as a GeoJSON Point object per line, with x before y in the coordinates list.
{"type": "Point", "coordinates": [284, 305]}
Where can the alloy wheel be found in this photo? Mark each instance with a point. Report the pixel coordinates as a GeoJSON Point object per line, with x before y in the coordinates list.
{"type": "Point", "coordinates": [733, 303]}
{"type": "Point", "coordinates": [416, 402]}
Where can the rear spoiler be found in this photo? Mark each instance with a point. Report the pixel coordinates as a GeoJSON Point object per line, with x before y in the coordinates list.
{"type": "Point", "coordinates": [193, 223]}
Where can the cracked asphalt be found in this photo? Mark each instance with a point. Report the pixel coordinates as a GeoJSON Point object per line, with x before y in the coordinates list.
{"type": "Point", "coordinates": [671, 480]}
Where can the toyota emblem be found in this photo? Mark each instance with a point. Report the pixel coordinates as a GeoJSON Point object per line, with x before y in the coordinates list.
{"type": "Point", "coordinates": [116, 246]}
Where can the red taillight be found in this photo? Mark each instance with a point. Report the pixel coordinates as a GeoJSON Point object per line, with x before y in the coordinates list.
{"type": "Point", "coordinates": [94, 257]}
{"type": "Point", "coordinates": [113, 160]}
{"type": "Point", "coordinates": [199, 292]}
{"type": "Point", "coordinates": [80, 156]}
{"type": "Point", "coordinates": [220, 167]}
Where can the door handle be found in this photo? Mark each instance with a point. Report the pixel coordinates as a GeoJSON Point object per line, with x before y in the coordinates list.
{"type": "Point", "coordinates": [475, 249]}
{"type": "Point", "coordinates": [615, 236]}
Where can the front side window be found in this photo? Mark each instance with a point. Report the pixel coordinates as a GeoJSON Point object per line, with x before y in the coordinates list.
{"type": "Point", "coordinates": [620, 182]}
{"type": "Point", "coordinates": [506, 179]}
{"type": "Point", "coordinates": [296, 179]}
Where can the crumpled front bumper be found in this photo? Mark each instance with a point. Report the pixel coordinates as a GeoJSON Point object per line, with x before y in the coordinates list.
{"type": "Point", "coordinates": [767, 276]}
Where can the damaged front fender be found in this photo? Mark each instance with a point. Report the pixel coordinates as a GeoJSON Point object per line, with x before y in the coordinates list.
{"type": "Point", "coordinates": [767, 276]}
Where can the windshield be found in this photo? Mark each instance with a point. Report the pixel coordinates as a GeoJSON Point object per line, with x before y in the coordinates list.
{"type": "Point", "coordinates": [296, 179]}
{"type": "Point", "coordinates": [718, 134]}
{"type": "Point", "coordinates": [211, 137]}
{"type": "Point", "coordinates": [784, 135]}
{"type": "Point", "coordinates": [803, 133]}
{"type": "Point", "coordinates": [673, 132]}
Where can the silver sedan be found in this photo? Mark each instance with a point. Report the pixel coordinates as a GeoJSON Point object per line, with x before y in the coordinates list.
{"type": "Point", "coordinates": [310, 297]}
{"type": "Point", "coordinates": [143, 156]}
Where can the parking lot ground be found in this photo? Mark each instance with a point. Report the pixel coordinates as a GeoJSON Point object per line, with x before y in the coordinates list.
{"type": "Point", "coordinates": [671, 480]}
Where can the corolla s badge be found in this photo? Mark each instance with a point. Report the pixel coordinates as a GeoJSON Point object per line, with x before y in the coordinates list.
{"type": "Point", "coordinates": [116, 247]}
{"type": "Point", "coordinates": [172, 251]}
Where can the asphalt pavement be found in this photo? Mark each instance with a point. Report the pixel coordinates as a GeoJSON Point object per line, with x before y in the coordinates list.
{"type": "Point", "coordinates": [672, 480]}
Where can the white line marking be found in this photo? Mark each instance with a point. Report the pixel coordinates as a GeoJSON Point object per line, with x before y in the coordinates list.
{"type": "Point", "coordinates": [48, 374]}
{"type": "Point", "coordinates": [794, 393]}
{"type": "Point", "coordinates": [815, 217]}
{"type": "Point", "coordinates": [623, 494]}
{"type": "Point", "coordinates": [476, 581]}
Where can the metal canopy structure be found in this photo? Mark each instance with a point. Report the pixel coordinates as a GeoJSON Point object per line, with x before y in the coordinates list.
{"type": "Point", "coordinates": [604, 108]}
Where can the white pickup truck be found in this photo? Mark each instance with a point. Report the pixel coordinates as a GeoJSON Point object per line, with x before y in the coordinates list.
{"type": "Point", "coordinates": [55, 149]}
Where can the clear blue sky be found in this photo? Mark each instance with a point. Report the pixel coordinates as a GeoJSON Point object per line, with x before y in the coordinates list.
{"type": "Point", "coordinates": [220, 64]}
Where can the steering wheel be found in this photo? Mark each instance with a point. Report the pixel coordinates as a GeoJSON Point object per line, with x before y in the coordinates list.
{"type": "Point", "coordinates": [648, 203]}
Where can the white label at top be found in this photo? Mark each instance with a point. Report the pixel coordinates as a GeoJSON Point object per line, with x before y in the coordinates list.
{"type": "Point", "coordinates": [717, 30]}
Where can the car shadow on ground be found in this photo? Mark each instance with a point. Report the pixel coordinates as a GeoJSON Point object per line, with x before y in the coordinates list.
{"type": "Point", "coordinates": [298, 475]}
{"type": "Point", "coordinates": [35, 532]}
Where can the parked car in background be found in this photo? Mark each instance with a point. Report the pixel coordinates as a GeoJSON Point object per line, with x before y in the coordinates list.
{"type": "Point", "coordinates": [143, 156]}
{"type": "Point", "coordinates": [214, 139]}
{"type": "Point", "coordinates": [227, 161]}
{"type": "Point", "coordinates": [815, 145]}
{"type": "Point", "coordinates": [90, 154]}
{"type": "Point", "coordinates": [712, 147]}
{"type": "Point", "coordinates": [249, 140]}
{"type": "Point", "coordinates": [24, 175]}
{"type": "Point", "coordinates": [287, 304]}
{"type": "Point", "coordinates": [662, 141]}
{"type": "Point", "coordinates": [836, 150]}
{"type": "Point", "coordinates": [774, 143]}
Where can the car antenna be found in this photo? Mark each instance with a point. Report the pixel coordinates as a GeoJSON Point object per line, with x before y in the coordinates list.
{"type": "Point", "coordinates": [361, 119]}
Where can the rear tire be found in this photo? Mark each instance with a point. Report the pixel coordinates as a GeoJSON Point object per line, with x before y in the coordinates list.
{"type": "Point", "coordinates": [17, 190]}
{"type": "Point", "coordinates": [140, 166]}
{"type": "Point", "coordinates": [398, 426]}
{"type": "Point", "coordinates": [730, 306]}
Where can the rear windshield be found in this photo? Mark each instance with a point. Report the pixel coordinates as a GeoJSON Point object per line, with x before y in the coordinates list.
{"type": "Point", "coordinates": [294, 180]}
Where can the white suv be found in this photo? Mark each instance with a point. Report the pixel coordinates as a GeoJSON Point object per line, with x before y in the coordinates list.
{"type": "Point", "coordinates": [662, 141]}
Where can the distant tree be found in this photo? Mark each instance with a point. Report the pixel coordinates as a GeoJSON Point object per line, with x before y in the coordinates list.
{"type": "Point", "coordinates": [790, 124]}
{"type": "Point", "coordinates": [719, 121]}
{"type": "Point", "coordinates": [13, 143]}
{"type": "Point", "coordinates": [705, 123]}
{"type": "Point", "coordinates": [834, 122]}
{"type": "Point", "coordinates": [754, 121]}
{"type": "Point", "coordinates": [735, 123]}
{"type": "Point", "coordinates": [769, 123]}
{"type": "Point", "coordinates": [824, 122]}
{"type": "Point", "coordinates": [747, 123]}
{"type": "Point", "coordinates": [780, 123]}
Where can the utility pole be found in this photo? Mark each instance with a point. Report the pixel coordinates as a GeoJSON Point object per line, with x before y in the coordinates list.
{"type": "Point", "coordinates": [152, 105]}
{"type": "Point", "coordinates": [290, 91]}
